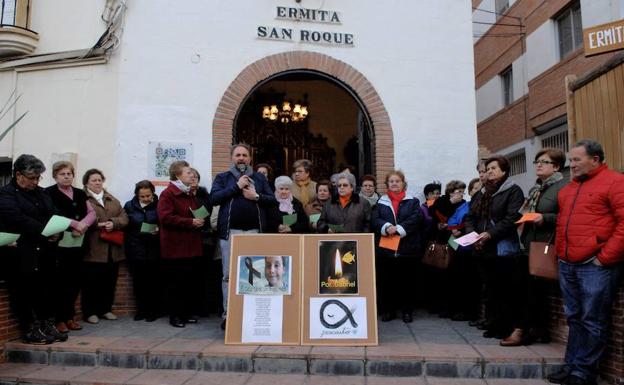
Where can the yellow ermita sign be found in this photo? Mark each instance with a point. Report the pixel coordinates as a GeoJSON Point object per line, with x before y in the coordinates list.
{"type": "Point", "coordinates": [604, 38]}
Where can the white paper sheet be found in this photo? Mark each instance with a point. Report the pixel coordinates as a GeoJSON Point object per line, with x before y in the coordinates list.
{"type": "Point", "coordinates": [467, 239]}
{"type": "Point", "coordinates": [338, 318]}
{"type": "Point", "coordinates": [262, 318]}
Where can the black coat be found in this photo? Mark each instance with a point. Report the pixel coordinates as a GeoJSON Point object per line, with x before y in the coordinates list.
{"type": "Point", "coordinates": [355, 217]}
{"type": "Point", "coordinates": [410, 222]}
{"type": "Point", "coordinates": [275, 218]}
{"type": "Point", "coordinates": [26, 213]}
{"type": "Point", "coordinates": [500, 220]}
{"type": "Point", "coordinates": [141, 246]}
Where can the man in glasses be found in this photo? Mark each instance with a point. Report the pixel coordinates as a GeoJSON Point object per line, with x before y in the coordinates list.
{"type": "Point", "coordinates": [25, 209]}
{"type": "Point", "coordinates": [590, 247]}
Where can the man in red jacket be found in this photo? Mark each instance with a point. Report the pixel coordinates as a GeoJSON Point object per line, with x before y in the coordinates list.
{"type": "Point", "coordinates": [590, 247]}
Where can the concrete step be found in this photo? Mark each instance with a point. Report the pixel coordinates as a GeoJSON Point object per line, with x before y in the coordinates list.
{"type": "Point", "coordinates": [427, 348]}
{"type": "Point", "coordinates": [12, 373]}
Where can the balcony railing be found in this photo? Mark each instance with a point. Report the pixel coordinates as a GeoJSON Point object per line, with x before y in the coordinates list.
{"type": "Point", "coordinates": [16, 37]}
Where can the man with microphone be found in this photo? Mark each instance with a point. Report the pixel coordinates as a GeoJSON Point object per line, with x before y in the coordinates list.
{"type": "Point", "coordinates": [243, 196]}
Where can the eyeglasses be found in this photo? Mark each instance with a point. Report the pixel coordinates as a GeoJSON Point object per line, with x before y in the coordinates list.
{"type": "Point", "coordinates": [542, 161]}
{"type": "Point", "coordinates": [343, 185]}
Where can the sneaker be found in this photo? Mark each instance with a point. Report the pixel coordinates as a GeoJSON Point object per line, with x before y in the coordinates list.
{"type": "Point", "coordinates": [93, 319]}
{"type": "Point", "coordinates": [109, 316]}
{"type": "Point", "coordinates": [35, 336]}
{"type": "Point", "coordinates": [559, 376]}
{"type": "Point", "coordinates": [50, 330]}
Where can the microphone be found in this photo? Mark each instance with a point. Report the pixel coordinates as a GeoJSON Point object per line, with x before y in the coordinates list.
{"type": "Point", "coordinates": [242, 167]}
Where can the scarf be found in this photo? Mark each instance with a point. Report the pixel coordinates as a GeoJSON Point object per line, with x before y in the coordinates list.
{"type": "Point", "coordinates": [344, 200]}
{"type": "Point", "coordinates": [489, 190]}
{"type": "Point", "coordinates": [98, 197]}
{"type": "Point", "coordinates": [236, 172]}
{"type": "Point", "coordinates": [303, 188]}
{"type": "Point", "coordinates": [538, 189]}
{"type": "Point", "coordinates": [285, 204]}
{"type": "Point", "coordinates": [395, 199]}
{"type": "Point", "coordinates": [184, 188]}
{"type": "Point", "coordinates": [372, 200]}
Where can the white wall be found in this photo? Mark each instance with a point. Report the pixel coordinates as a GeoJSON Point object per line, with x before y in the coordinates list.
{"type": "Point", "coordinates": [483, 15]}
{"type": "Point", "coordinates": [489, 98]}
{"type": "Point", "coordinates": [542, 50]}
{"type": "Point", "coordinates": [418, 56]}
{"type": "Point", "coordinates": [65, 25]}
{"type": "Point", "coordinates": [595, 12]}
{"type": "Point", "coordinates": [520, 83]}
{"type": "Point", "coordinates": [7, 84]}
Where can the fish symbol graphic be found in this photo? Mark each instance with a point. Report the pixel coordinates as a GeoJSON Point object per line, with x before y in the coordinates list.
{"type": "Point", "coordinates": [348, 258]}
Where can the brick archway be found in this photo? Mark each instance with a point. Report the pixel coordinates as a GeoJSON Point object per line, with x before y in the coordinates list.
{"type": "Point", "coordinates": [236, 93]}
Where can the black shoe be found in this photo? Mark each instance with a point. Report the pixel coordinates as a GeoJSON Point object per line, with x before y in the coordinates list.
{"type": "Point", "coordinates": [223, 324]}
{"type": "Point", "coordinates": [35, 336]}
{"type": "Point", "coordinates": [574, 380]}
{"type": "Point", "coordinates": [407, 317]}
{"type": "Point", "coordinates": [485, 325]}
{"type": "Point", "coordinates": [50, 330]}
{"type": "Point", "coordinates": [445, 314]}
{"type": "Point", "coordinates": [559, 376]}
{"type": "Point", "coordinates": [477, 322]}
{"type": "Point", "coordinates": [176, 322]}
{"type": "Point", "coordinates": [387, 317]}
{"type": "Point", "coordinates": [191, 320]}
{"type": "Point", "coordinates": [139, 316]}
{"type": "Point", "coordinates": [459, 317]}
{"type": "Point", "coordinates": [151, 318]}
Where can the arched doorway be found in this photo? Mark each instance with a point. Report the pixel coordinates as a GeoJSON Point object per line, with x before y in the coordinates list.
{"type": "Point", "coordinates": [336, 133]}
{"type": "Point", "coordinates": [382, 144]}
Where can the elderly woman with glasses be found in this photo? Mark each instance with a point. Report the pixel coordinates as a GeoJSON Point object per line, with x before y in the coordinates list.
{"type": "Point", "coordinates": [25, 209]}
{"type": "Point", "coordinates": [346, 211]}
{"type": "Point", "coordinates": [73, 204]}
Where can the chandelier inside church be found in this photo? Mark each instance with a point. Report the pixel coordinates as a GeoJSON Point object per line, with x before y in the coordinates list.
{"type": "Point", "coordinates": [285, 113]}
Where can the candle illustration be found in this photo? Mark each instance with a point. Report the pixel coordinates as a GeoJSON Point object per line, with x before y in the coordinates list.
{"type": "Point", "coordinates": [338, 265]}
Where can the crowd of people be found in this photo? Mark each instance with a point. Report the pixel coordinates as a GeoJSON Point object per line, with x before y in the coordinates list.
{"type": "Point", "coordinates": [487, 283]}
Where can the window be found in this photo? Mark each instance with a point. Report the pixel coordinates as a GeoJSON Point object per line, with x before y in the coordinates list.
{"type": "Point", "coordinates": [570, 30]}
{"type": "Point", "coordinates": [7, 16]}
{"type": "Point", "coordinates": [501, 7]}
{"type": "Point", "coordinates": [559, 141]}
{"type": "Point", "coordinates": [507, 85]}
{"type": "Point", "coordinates": [517, 162]}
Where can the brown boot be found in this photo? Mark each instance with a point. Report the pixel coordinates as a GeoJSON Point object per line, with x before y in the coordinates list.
{"type": "Point", "coordinates": [62, 327]}
{"type": "Point", "coordinates": [516, 338]}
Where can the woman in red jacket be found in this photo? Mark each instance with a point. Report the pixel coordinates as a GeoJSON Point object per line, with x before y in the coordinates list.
{"type": "Point", "coordinates": [180, 240]}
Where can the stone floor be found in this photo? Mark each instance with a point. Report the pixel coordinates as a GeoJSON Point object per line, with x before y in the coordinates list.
{"type": "Point", "coordinates": [428, 351]}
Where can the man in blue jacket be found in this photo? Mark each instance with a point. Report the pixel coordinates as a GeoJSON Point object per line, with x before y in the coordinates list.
{"type": "Point", "coordinates": [243, 196]}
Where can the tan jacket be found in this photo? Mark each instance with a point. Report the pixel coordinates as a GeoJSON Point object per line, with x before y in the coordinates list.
{"type": "Point", "coordinates": [296, 192]}
{"type": "Point", "coordinates": [97, 249]}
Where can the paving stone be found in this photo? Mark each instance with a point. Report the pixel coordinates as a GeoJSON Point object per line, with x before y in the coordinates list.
{"type": "Point", "coordinates": [218, 349]}
{"type": "Point", "coordinates": [132, 345]}
{"type": "Point", "coordinates": [162, 377]}
{"type": "Point", "coordinates": [394, 350]}
{"type": "Point", "coordinates": [122, 360]}
{"type": "Point", "coordinates": [178, 361]}
{"type": "Point", "coordinates": [180, 346]}
{"type": "Point", "coordinates": [204, 378]}
{"type": "Point", "coordinates": [454, 381]}
{"type": "Point", "coordinates": [86, 344]}
{"type": "Point", "coordinates": [338, 352]}
{"type": "Point", "coordinates": [13, 371]}
{"type": "Point", "coordinates": [276, 379]}
{"type": "Point", "coordinates": [463, 352]}
{"type": "Point", "coordinates": [106, 376]}
{"type": "Point", "coordinates": [337, 367]}
{"type": "Point", "coordinates": [27, 356]}
{"type": "Point", "coordinates": [336, 380]}
{"type": "Point", "coordinates": [455, 369]}
{"type": "Point", "coordinates": [497, 353]}
{"type": "Point", "coordinates": [394, 368]}
{"type": "Point", "coordinates": [19, 345]}
{"type": "Point", "coordinates": [54, 374]}
{"type": "Point", "coordinates": [280, 365]}
{"type": "Point", "coordinates": [283, 351]}
{"type": "Point", "coordinates": [492, 381]}
{"type": "Point", "coordinates": [73, 358]}
{"type": "Point", "coordinates": [553, 352]}
{"type": "Point", "coordinates": [512, 370]}
{"type": "Point", "coordinates": [371, 380]}
{"type": "Point", "coordinates": [227, 364]}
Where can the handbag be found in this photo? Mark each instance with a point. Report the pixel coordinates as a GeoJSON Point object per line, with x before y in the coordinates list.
{"type": "Point", "coordinates": [438, 255]}
{"type": "Point", "coordinates": [115, 237]}
{"type": "Point", "coordinates": [543, 260]}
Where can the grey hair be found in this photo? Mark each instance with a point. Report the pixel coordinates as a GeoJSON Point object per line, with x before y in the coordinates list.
{"type": "Point", "coordinates": [28, 164]}
{"type": "Point", "coordinates": [592, 148]}
{"type": "Point", "coordinates": [334, 178]}
{"type": "Point", "coordinates": [283, 181]}
{"type": "Point", "coordinates": [348, 176]}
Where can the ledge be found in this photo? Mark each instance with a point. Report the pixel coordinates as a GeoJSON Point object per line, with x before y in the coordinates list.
{"type": "Point", "coordinates": [16, 41]}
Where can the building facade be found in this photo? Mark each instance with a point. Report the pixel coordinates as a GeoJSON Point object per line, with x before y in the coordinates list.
{"type": "Point", "coordinates": [523, 52]}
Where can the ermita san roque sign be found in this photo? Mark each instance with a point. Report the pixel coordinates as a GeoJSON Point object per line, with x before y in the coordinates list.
{"type": "Point", "coordinates": [305, 35]}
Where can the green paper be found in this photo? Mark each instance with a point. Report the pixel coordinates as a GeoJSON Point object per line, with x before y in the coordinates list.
{"type": "Point", "coordinates": [55, 225]}
{"type": "Point", "coordinates": [315, 217]}
{"type": "Point", "coordinates": [149, 227]}
{"type": "Point", "coordinates": [69, 240]}
{"type": "Point", "coordinates": [8, 238]}
{"type": "Point", "coordinates": [200, 213]}
{"type": "Point", "coordinates": [337, 228]}
{"type": "Point", "coordinates": [289, 219]}
{"type": "Point", "coordinates": [452, 243]}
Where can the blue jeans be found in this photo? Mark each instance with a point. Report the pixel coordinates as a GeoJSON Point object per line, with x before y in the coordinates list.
{"type": "Point", "coordinates": [588, 291]}
{"type": "Point", "coordinates": [226, 245]}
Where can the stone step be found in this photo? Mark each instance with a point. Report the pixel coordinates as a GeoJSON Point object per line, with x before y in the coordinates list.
{"type": "Point", "coordinates": [429, 347]}
{"type": "Point", "coordinates": [12, 373]}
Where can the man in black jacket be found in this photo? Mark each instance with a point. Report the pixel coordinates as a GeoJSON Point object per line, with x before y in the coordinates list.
{"type": "Point", "coordinates": [243, 196]}
{"type": "Point", "coordinates": [25, 209]}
